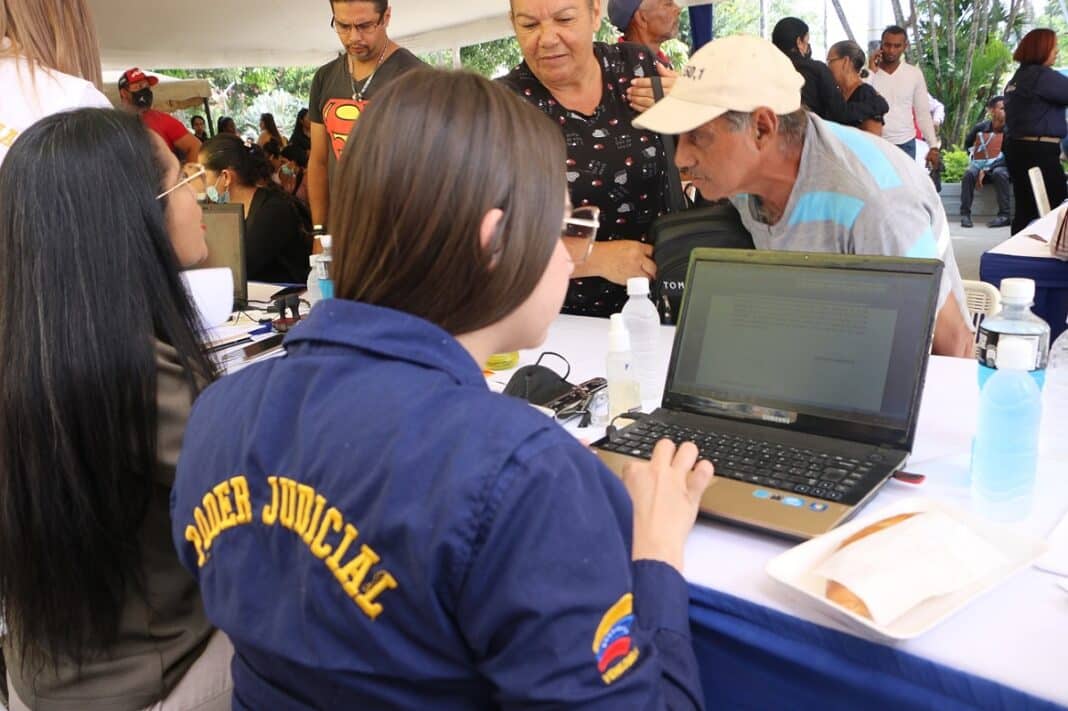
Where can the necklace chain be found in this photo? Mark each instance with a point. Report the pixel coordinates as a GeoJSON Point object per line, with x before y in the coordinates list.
{"type": "Point", "coordinates": [358, 95]}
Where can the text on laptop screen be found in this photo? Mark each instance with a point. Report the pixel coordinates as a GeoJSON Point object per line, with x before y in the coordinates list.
{"type": "Point", "coordinates": [822, 341]}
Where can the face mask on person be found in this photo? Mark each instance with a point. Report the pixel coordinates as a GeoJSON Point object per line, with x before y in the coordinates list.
{"type": "Point", "coordinates": [215, 196]}
{"type": "Point", "coordinates": [287, 170]}
{"type": "Point", "coordinates": [142, 99]}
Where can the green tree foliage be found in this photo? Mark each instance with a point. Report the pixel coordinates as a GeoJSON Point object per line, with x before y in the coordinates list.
{"type": "Point", "coordinates": [742, 17]}
{"type": "Point", "coordinates": [964, 49]}
{"type": "Point", "coordinates": [492, 59]}
{"type": "Point", "coordinates": [246, 92]}
{"type": "Point", "coordinates": [1053, 17]}
{"type": "Point", "coordinates": [955, 162]}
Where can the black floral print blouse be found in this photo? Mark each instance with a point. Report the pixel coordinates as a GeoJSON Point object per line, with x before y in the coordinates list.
{"type": "Point", "coordinates": [610, 164]}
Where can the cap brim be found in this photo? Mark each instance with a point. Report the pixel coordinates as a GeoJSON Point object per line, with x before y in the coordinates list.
{"type": "Point", "coordinates": [152, 81]}
{"type": "Point", "coordinates": [673, 116]}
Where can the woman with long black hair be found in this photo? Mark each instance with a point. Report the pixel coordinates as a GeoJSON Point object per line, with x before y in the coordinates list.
{"type": "Point", "coordinates": [301, 136]}
{"type": "Point", "coordinates": [101, 364]}
{"type": "Point", "coordinates": [269, 130]}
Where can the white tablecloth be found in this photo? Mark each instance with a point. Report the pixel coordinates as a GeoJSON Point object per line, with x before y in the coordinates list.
{"type": "Point", "coordinates": [1024, 246]}
{"type": "Point", "coordinates": [1016, 635]}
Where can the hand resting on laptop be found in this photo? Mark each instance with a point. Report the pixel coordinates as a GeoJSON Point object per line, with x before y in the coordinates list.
{"type": "Point", "coordinates": [666, 492]}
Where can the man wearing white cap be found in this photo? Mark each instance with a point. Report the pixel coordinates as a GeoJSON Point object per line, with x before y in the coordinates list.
{"type": "Point", "coordinates": [801, 183]}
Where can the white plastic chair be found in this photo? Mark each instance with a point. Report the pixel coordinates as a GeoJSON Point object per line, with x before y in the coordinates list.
{"type": "Point", "coordinates": [982, 300]}
{"type": "Point", "coordinates": [1038, 187]}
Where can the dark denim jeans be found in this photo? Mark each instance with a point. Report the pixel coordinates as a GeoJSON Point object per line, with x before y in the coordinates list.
{"type": "Point", "coordinates": [909, 147]}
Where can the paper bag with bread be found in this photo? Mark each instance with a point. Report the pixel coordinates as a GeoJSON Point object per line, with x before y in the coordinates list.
{"type": "Point", "coordinates": [889, 567]}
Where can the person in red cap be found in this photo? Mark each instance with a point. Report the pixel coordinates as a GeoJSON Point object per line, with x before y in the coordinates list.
{"type": "Point", "coordinates": [135, 88]}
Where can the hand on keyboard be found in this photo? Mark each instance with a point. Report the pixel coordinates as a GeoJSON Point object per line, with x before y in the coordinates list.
{"type": "Point", "coordinates": [666, 492]}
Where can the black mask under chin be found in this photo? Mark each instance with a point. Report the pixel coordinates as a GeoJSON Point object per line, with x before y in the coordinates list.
{"type": "Point", "coordinates": [142, 99]}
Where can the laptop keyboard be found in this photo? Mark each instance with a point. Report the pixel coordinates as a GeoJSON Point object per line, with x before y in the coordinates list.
{"type": "Point", "coordinates": [802, 471]}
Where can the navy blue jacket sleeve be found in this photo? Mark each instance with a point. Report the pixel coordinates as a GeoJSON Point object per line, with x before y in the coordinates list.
{"type": "Point", "coordinates": [1052, 86]}
{"type": "Point", "coordinates": [550, 603]}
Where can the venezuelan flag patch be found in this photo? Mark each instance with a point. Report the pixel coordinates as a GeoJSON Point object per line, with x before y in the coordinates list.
{"type": "Point", "coordinates": [613, 644]}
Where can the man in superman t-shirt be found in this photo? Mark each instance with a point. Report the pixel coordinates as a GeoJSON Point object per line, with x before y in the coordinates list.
{"type": "Point", "coordinates": [342, 89]}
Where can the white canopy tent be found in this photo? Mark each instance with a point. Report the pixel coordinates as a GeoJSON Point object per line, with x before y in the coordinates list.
{"type": "Point", "coordinates": [234, 33]}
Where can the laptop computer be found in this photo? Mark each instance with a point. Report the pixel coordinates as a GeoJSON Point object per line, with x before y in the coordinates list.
{"type": "Point", "coordinates": [799, 376]}
{"type": "Point", "coordinates": [225, 235]}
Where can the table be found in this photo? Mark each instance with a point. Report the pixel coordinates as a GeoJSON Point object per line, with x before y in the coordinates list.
{"type": "Point", "coordinates": [1008, 649]}
{"type": "Point", "coordinates": [1023, 256]}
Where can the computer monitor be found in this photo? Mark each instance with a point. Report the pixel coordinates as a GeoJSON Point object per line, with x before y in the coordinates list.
{"type": "Point", "coordinates": [225, 236]}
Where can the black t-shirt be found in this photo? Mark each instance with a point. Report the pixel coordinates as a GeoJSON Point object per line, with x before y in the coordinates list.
{"type": "Point", "coordinates": [820, 93]}
{"type": "Point", "coordinates": [867, 103]}
{"type": "Point", "coordinates": [277, 238]}
{"type": "Point", "coordinates": [333, 100]}
{"type": "Point", "coordinates": [610, 164]}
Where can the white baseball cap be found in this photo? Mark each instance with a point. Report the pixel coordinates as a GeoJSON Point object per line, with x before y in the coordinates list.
{"type": "Point", "coordinates": [738, 73]}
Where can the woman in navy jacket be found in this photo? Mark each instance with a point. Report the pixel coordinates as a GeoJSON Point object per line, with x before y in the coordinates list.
{"type": "Point", "coordinates": [1035, 101]}
{"type": "Point", "coordinates": [370, 524]}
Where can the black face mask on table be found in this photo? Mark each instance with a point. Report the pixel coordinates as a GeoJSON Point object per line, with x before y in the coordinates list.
{"type": "Point", "coordinates": [142, 99]}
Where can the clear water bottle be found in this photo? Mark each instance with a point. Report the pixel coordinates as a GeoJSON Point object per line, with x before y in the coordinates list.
{"type": "Point", "coordinates": [623, 391]}
{"type": "Point", "coordinates": [1014, 319]}
{"type": "Point", "coordinates": [643, 326]}
{"type": "Point", "coordinates": [313, 293]}
{"type": "Point", "coordinates": [1005, 450]}
{"type": "Point", "coordinates": [322, 267]}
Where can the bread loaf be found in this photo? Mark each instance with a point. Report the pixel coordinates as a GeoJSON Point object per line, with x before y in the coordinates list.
{"type": "Point", "coordinates": [840, 594]}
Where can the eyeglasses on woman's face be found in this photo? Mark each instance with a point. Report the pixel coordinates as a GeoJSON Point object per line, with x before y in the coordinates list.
{"type": "Point", "coordinates": [192, 173]}
{"type": "Point", "coordinates": [582, 223]}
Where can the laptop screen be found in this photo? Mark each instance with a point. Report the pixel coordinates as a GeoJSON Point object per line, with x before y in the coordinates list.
{"type": "Point", "coordinates": [225, 235]}
{"type": "Point", "coordinates": [823, 341]}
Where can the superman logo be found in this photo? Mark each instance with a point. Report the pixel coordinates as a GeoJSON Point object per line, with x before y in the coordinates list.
{"type": "Point", "coordinates": [339, 117]}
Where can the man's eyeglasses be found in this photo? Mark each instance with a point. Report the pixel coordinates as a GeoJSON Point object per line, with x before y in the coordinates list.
{"type": "Point", "coordinates": [582, 223]}
{"type": "Point", "coordinates": [362, 29]}
{"type": "Point", "coordinates": [196, 172]}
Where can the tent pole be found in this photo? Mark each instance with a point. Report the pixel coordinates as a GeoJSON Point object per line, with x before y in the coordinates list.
{"type": "Point", "coordinates": [211, 124]}
{"type": "Point", "coordinates": [702, 22]}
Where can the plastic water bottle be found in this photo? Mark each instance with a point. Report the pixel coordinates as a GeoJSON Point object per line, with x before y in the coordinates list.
{"type": "Point", "coordinates": [1014, 319]}
{"type": "Point", "coordinates": [322, 267]}
{"type": "Point", "coordinates": [643, 326]}
{"type": "Point", "coordinates": [1005, 450]}
{"type": "Point", "coordinates": [313, 293]}
{"type": "Point", "coordinates": [624, 393]}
